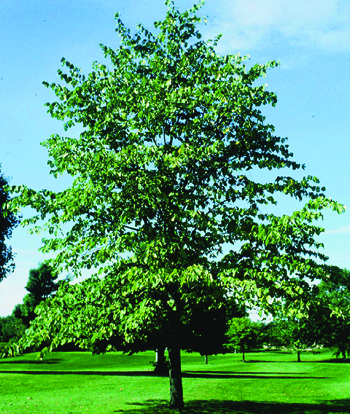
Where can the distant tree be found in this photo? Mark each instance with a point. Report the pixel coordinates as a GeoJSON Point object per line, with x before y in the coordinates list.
{"type": "Point", "coordinates": [41, 284]}
{"type": "Point", "coordinates": [274, 335]}
{"type": "Point", "coordinates": [326, 321]}
{"type": "Point", "coordinates": [332, 318]}
{"type": "Point", "coordinates": [8, 221]}
{"type": "Point", "coordinates": [294, 333]}
{"type": "Point", "coordinates": [244, 335]}
{"type": "Point", "coordinates": [338, 336]}
{"type": "Point", "coordinates": [11, 328]}
{"type": "Point", "coordinates": [25, 310]}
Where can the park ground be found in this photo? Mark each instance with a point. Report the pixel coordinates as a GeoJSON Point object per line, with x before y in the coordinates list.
{"type": "Point", "coordinates": [268, 383]}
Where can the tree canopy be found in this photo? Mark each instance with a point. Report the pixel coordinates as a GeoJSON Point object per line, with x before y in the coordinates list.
{"type": "Point", "coordinates": [8, 221]}
{"type": "Point", "coordinates": [163, 193]}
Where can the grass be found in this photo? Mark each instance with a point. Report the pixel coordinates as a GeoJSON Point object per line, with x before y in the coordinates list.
{"type": "Point", "coordinates": [270, 382]}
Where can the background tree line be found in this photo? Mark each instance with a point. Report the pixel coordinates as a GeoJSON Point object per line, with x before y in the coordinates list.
{"type": "Point", "coordinates": [42, 283]}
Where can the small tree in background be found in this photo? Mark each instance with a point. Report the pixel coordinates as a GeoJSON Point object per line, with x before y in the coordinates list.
{"type": "Point", "coordinates": [292, 333]}
{"type": "Point", "coordinates": [244, 335]}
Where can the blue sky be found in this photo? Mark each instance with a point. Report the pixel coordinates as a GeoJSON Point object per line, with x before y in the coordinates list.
{"type": "Point", "coordinates": [310, 38]}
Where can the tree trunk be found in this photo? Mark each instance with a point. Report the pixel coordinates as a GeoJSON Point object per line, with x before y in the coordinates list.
{"type": "Point", "coordinates": [176, 393]}
{"type": "Point", "coordinates": [343, 353]}
{"type": "Point", "coordinates": [161, 367]}
{"type": "Point", "coordinates": [243, 351]}
{"type": "Point", "coordinates": [299, 352]}
{"type": "Point", "coordinates": [206, 360]}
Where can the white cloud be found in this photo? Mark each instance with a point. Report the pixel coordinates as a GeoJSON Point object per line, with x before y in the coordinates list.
{"type": "Point", "coordinates": [316, 24]}
{"type": "Point", "coordinates": [340, 230]}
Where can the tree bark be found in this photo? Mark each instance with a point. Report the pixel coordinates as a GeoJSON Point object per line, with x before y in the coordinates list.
{"type": "Point", "coordinates": [161, 367]}
{"type": "Point", "coordinates": [176, 393]}
{"type": "Point", "coordinates": [206, 359]}
{"type": "Point", "coordinates": [299, 360]}
{"type": "Point", "coordinates": [243, 352]}
{"type": "Point", "coordinates": [174, 348]}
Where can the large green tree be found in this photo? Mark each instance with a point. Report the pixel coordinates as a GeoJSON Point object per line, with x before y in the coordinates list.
{"type": "Point", "coordinates": [8, 221]}
{"type": "Point", "coordinates": [166, 189]}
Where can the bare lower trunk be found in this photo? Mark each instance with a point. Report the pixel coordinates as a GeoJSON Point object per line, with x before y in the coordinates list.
{"type": "Point", "coordinates": [299, 360]}
{"type": "Point", "coordinates": [243, 352]}
{"type": "Point", "coordinates": [206, 359]}
{"type": "Point", "coordinates": [174, 347]}
{"type": "Point", "coordinates": [161, 367]}
{"type": "Point", "coordinates": [176, 393]}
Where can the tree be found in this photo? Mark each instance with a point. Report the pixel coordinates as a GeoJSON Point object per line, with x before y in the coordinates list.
{"type": "Point", "coordinates": [8, 221]}
{"type": "Point", "coordinates": [295, 334]}
{"type": "Point", "coordinates": [25, 310]}
{"type": "Point", "coordinates": [164, 194]}
{"type": "Point", "coordinates": [325, 322]}
{"type": "Point", "coordinates": [244, 335]}
{"type": "Point", "coordinates": [41, 284]}
{"type": "Point", "coordinates": [332, 318]}
{"type": "Point", "coordinates": [11, 329]}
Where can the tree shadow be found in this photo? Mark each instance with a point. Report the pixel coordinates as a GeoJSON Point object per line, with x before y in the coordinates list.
{"type": "Point", "coordinates": [35, 362]}
{"type": "Point", "coordinates": [246, 372]}
{"type": "Point", "coordinates": [238, 375]}
{"type": "Point", "coordinates": [335, 361]}
{"type": "Point", "coordinates": [260, 361]}
{"type": "Point", "coordinates": [240, 407]}
{"type": "Point", "coordinates": [103, 373]}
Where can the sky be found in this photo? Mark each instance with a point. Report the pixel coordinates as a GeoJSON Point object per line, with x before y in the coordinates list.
{"type": "Point", "coordinates": [310, 39]}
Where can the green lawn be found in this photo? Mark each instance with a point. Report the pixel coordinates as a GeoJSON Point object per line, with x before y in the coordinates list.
{"type": "Point", "coordinates": [270, 382]}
